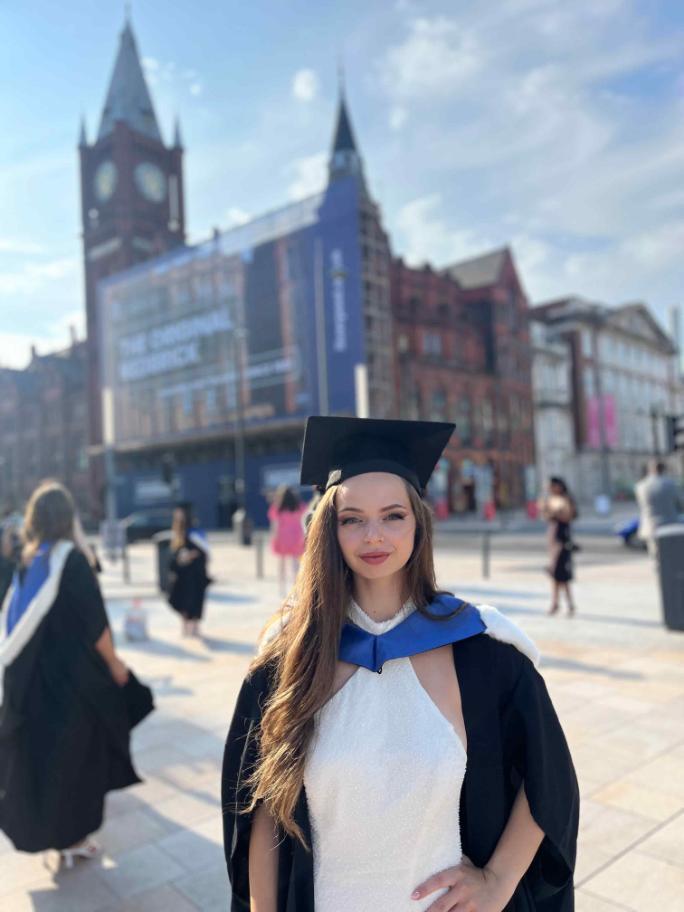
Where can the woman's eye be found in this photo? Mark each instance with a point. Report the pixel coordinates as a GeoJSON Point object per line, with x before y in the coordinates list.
{"type": "Point", "coordinates": [348, 519]}
{"type": "Point", "coordinates": [396, 516]}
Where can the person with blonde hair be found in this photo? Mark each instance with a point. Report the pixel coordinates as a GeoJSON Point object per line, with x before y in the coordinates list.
{"type": "Point", "coordinates": [393, 747]}
{"type": "Point", "coordinates": [64, 692]}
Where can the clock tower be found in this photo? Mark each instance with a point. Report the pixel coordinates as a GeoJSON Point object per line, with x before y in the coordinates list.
{"type": "Point", "coordinates": [132, 205]}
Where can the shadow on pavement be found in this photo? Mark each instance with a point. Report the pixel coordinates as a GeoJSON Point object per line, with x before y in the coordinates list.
{"type": "Point", "coordinates": [216, 645]}
{"type": "Point", "coordinates": [230, 598]}
{"type": "Point", "coordinates": [162, 648]}
{"type": "Point", "coordinates": [587, 668]}
{"type": "Point", "coordinates": [536, 612]}
{"type": "Point", "coordinates": [487, 591]}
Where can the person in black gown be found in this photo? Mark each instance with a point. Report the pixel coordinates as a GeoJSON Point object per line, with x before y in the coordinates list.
{"type": "Point", "coordinates": [559, 509]}
{"type": "Point", "coordinates": [64, 714]}
{"type": "Point", "coordinates": [188, 572]}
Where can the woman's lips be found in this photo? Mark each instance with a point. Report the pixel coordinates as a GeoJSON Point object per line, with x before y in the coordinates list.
{"type": "Point", "coordinates": [374, 558]}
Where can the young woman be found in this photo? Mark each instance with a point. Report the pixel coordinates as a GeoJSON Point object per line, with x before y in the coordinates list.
{"type": "Point", "coordinates": [559, 509]}
{"type": "Point", "coordinates": [189, 577]}
{"type": "Point", "coordinates": [286, 515]}
{"type": "Point", "coordinates": [345, 784]}
{"type": "Point", "coordinates": [64, 714]}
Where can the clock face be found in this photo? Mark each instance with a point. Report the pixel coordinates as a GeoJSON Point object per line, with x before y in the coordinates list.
{"type": "Point", "coordinates": [151, 182]}
{"type": "Point", "coordinates": [105, 181]}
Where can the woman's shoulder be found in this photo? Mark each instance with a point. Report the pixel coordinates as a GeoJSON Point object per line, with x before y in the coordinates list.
{"type": "Point", "coordinates": [257, 686]}
{"type": "Point", "coordinates": [502, 645]}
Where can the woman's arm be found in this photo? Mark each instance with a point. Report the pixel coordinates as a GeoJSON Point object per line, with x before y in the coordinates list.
{"type": "Point", "coordinates": [517, 846]}
{"type": "Point", "coordinates": [488, 889]}
{"type": "Point", "coordinates": [263, 863]}
{"type": "Point", "coordinates": [105, 647]}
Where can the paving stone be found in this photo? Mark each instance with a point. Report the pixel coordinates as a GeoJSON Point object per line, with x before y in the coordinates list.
{"type": "Point", "coordinates": [138, 870]}
{"type": "Point", "coordinates": [667, 843]}
{"type": "Point", "coordinates": [158, 899]}
{"type": "Point", "coordinates": [611, 828]}
{"type": "Point", "coordinates": [640, 882]}
{"type": "Point", "coordinates": [129, 830]}
{"type": "Point", "coordinates": [209, 890]}
{"type": "Point", "coordinates": [586, 902]}
{"type": "Point", "coordinates": [647, 802]}
{"type": "Point", "coordinates": [198, 847]}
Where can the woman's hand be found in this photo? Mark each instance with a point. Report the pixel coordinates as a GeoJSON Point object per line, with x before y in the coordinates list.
{"type": "Point", "coordinates": [470, 889]}
{"type": "Point", "coordinates": [119, 671]}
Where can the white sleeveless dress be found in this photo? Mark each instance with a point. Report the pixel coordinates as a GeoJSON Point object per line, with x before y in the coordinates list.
{"type": "Point", "coordinates": [383, 780]}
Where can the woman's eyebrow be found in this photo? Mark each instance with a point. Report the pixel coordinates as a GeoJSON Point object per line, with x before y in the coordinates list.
{"type": "Point", "coordinates": [382, 509]}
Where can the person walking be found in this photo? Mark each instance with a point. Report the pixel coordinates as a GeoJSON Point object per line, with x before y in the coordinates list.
{"type": "Point", "coordinates": [188, 571]}
{"type": "Point", "coordinates": [286, 515]}
{"type": "Point", "coordinates": [64, 701]}
{"type": "Point", "coordinates": [559, 509]}
{"type": "Point", "coordinates": [659, 501]}
{"type": "Point", "coordinates": [344, 774]}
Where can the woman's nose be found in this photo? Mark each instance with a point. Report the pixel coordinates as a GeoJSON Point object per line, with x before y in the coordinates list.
{"type": "Point", "coordinates": [373, 532]}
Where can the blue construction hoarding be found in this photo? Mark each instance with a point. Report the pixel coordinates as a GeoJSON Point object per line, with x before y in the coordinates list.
{"type": "Point", "coordinates": [263, 321]}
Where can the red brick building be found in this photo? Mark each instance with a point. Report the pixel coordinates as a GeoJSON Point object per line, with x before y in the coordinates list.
{"type": "Point", "coordinates": [464, 355]}
{"type": "Point", "coordinates": [44, 426]}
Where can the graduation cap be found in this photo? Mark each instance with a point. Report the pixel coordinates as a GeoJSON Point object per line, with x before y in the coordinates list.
{"type": "Point", "coordinates": [337, 448]}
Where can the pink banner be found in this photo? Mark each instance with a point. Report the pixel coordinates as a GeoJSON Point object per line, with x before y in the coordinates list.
{"type": "Point", "coordinates": [601, 411]}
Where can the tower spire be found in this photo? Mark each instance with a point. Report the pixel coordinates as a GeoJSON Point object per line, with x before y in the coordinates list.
{"type": "Point", "coordinates": [128, 98]}
{"type": "Point", "coordinates": [83, 133]}
{"type": "Point", "coordinates": [344, 155]}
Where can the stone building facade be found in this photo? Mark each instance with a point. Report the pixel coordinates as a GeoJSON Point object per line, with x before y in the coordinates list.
{"type": "Point", "coordinates": [44, 426]}
{"type": "Point", "coordinates": [625, 381]}
{"type": "Point", "coordinates": [553, 407]}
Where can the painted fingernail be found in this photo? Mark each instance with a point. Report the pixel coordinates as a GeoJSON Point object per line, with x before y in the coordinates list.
{"type": "Point", "coordinates": [415, 894]}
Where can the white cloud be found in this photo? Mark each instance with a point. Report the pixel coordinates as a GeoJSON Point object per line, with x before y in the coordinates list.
{"type": "Point", "coordinates": [305, 85]}
{"type": "Point", "coordinates": [167, 75]}
{"type": "Point", "coordinates": [15, 347]}
{"type": "Point", "coordinates": [34, 276]}
{"type": "Point", "coordinates": [545, 126]}
{"type": "Point", "coordinates": [308, 176]}
{"type": "Point", "coordinates": [236, 216]}
{"type": "Point", "coordinates": [18, 246]}
{"type": "Point", "coordinates": [437, 58]}
{"type": "Point", "coordinates": [427, 237]}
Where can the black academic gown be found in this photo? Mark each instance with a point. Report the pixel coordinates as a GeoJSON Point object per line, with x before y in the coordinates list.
{"type": "Point", "coordinates": [514, 736]}
{"type": "Point", "coordinates": [64, 723]}
{"type": "Point", "coordinates": [189, 582]}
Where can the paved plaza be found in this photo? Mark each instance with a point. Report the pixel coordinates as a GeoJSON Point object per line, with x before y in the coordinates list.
{"type": "Point", "coordinates": [616, 676]}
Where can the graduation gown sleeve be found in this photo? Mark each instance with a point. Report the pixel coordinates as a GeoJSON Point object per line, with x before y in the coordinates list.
{"type": "Point", "coordinates": [295, 863]}
{"type": "Point", "coordinates": [239, 759]}
{"type": "Point", "coordinates": [515, 738]}
{"type": "Point", "coordinates": [542, 761]}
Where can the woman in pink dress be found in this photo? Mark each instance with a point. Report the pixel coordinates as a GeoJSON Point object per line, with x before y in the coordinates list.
{"type": "Point", "coordinates": [286, 515]}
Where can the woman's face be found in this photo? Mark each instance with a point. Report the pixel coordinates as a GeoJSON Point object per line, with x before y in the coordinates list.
{"type": "Point", "coordinates": [555, 488]}
{"type": "Point", "coordinates": [375, 524]}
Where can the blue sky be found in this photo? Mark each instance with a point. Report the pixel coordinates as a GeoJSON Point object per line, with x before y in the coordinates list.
{"type": "Point", "coordinates": [556, 127]}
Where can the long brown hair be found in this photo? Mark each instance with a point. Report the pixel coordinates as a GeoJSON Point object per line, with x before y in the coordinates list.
{"type": "Point", "coordinates": [286, 500]}
{"type": "Point", "coordinates": [304, 652]}
{"type": "Point", "coordinates": [179, 528]}
{"type": "Point", "coordinates": [49, 517]}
